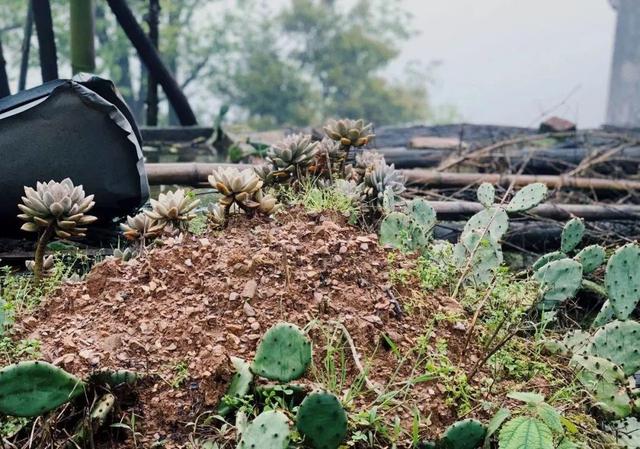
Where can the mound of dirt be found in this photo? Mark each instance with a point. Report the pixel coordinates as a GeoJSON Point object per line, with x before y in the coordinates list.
{"type": "Point", "coordinates": [178, 312]}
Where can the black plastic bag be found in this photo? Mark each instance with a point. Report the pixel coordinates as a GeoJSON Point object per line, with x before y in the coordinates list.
{"type": "Point", "coordinates": [79, 129]}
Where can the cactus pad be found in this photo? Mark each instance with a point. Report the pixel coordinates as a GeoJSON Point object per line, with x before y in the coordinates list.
{"type": "Point", "coordinates": [394, 230]}
{"type": "Point", "coordinates": [618, 342]}
{"type": "Point", "coordinates": [322, 420]}
{"type": "Point", "coordinates": [465, 434]}
{"type": "Point", "coordinates": [605, 315]}
{"type": "Point", "coordinates": [114, 378]}
{"type": "Point", "coordinates": [622, 280]}
{"type": "Point", "coordinates": [284, 353]}
{"type": "Point", "coordinates": [627, 432]}
{"type": "Point", "coordinates": [486, 194]}
{"type": "Point", "coordinates": [485, 255]}
{"type": "Point", "coordinates": [33, 388]}
{"type": "Point", "coordinates": [591, 258]}
{"type": "Point", "coordinates": [572, 234]}
{"type": "Point", "coordinates": [421, 212]}
{"type": "Point", "coordinates": [240, 384]}
{"type": "Point", "coordinates": [101, 410]}
{"type": "Point", "coordinates": [528, 197]}
{"type": "Point", "coordinates": [270, 430]}
{"type": "Point", "coordinates": [605, 380]}
{"type": "Point", "coordinates": [494, 219]}
{"type": "Point", "coordinates": [546, 258]}
{"type": "Point", "coordinates": [559, 280]}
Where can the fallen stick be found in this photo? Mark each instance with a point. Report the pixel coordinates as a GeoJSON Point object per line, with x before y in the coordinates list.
{"type": "Point", "coordinates": [196, 173]}
{"type": "Point", "coordinates": [436, 178]}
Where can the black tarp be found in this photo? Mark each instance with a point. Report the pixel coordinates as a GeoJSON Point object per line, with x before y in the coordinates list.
{"type": "Point", "coordinates": [80, 129]}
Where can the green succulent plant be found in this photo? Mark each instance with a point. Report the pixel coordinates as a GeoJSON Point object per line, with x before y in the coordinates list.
{"type": "Point", "coordinates": [54, 208]}
{"type": "Point", "coordinates": [237, 187]}
{"type": "Point", "coordinates": [141, 227]}
{"type": "Point", "coordinates": [349, 132]}
{"type": "Point", "coordinates": [292, 156]}
{"type": "Point", "coordinates": [173, 209]}
{"type": "Point", "coordinates": [381, 180]}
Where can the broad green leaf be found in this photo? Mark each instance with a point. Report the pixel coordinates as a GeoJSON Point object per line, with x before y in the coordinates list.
{"type": "Point", "coordinates": [498, 419]}
{"type": "Point", "coordinates": [524, 432]}
{"type": "Point", "coordinates": [550, 416]}
{"type": "Point", "coordinates": [526, 397]}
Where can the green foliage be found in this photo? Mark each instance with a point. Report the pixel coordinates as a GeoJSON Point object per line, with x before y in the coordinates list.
{"type": "Point", "coordinates": [239, 386]}
{"type": "Point", "coordinates": [466, 434]}
{"type": "Point", "coordinates": [622, 280]}
{"type": "Point", "coordinates": [525, 432]}
{"type": "Point", "coordinates": [481, 254]}
{"type": "Point", "coordinates": [410, 231]}
{"type": "Point", "coordinates": [284, 353]}
{"type": "Point", "coordinates": [33, 388]}
{"type": "Point", "coordinates": [322, 420]}
{"type": "Point", "coordinates": [528, 197]}
{"type": "Point", "coordinates": [270, 430]}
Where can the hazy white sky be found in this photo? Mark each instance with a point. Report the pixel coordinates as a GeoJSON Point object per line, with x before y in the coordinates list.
{"type": "Point", "coordinates": [509, 61]}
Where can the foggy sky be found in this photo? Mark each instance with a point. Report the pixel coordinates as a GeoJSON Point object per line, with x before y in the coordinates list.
{"type": "Point", "coordinates": [509, 61]}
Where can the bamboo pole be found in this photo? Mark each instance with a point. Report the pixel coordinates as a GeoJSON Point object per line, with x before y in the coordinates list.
{"type": "Point", "coordinates": [82, 18]}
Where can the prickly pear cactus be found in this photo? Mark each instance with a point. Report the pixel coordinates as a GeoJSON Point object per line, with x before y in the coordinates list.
{"type": "Point", "coordinates": [422, 214]}
{"type": "Point", "coordinates": [605, 315]}
{"type": "Point", "coordinates": [606, 382]}
{"type": "Point", "coordinates": [559, 280]}
{"type": "Point", "coordinates": [394, 230]}
{"type": "Point", "coordinates": [322, 420]}
{"type": "Point", "coordinates": [114, 378]}
{"type": "Point", "coordinates": [33, 388]}
{"type": "Point", "coordinates": [572, 234]}
{"type": "Point", "coordinates": [270, 430]}
{"type": "Point", "coordinates": [485, 254]}
{"type": "Point", "coordinates": [486, 194]}
{"type": "Point", "coordinates": [622, 280]}
{"type": "Point", "coordinates": [618, 342]}
{"type": "Point", "coordinates": [284, 353]}
{"type": "Point", "coordinates": [240, 384]}
{"type": "Point", "coordinates": [546, 258]}
{"type": "Point", "coordinates": [101, 410]}
{"type": "Point", "coordinates": [528, 197]}
{"type": "Point", "coordinates": [494, 219]}
{"type": "Point", "coordinates": [627, 432]}
{"type": "Point", "coordinates": [591, 258]}
{"type": "Point", "coordinates": [465, 434]}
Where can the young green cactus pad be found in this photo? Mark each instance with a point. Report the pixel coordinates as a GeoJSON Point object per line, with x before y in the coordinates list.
{"type": "Point", "coordinates": [486, 194]}
{"type": "Point", "coordinates": [494, 219]}
{"type": "Point", "coordinates": [114, 378]}
{"type": "Point", "coordinates": [605, 315]}
{"type": "Point", "coordinates": [102, 409]}
{"type": "Point", "coordinates": [591, 258]}
{"type": "Point", "coordinates": [422, 213]}
{"type": "Point", "coordinates": [465, 434]}
{"type": "Point", "coordinates": [284, 353]}
{"type": "Point", "coordinates": [270, 430]}
{"type": "Point", "coordinates": [240, 384]}
{"type": "Point", "coordinates": [572, 234]}
{"type": "Point", "coordinates": [618, 342]}
{"type": "Point", "coordinates": [546, 258]}
{"type": "Point", "coordinates": [485, 254]}
{"type": "Point", "coordinates": [627, 432]}
{"type": "Point", "coordinates": [605, 380]}
{"type": "Point", "coordinates": [622, 280]}
{"type": "Point", "coordinates": [559, 280]}
{"type": "Point", "coordinates": [33, 388]}
{"type": "Point", "coordinates": [394, 230]}
{"type": "Point", "coordinates": [322, 420]}
{"type": "Point", "coordinates": [528, 197]}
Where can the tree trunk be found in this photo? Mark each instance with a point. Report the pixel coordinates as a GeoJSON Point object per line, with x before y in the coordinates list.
{"type": "Point", "coordinates": [46, 40]}
{"type": "Point", "coordinates": [4, 80]}
{"type": "Point", "coordinates": [151, 59]}
{"type": "Point", "coordinates": [26, 48]}
{"type": "Point", "coordinates": [83, 53]}
{"type": "Point", "coordinates": [153, 20]}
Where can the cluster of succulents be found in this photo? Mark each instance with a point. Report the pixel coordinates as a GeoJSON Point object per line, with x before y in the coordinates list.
{"type": "Point", "coordinates": [242, 188]}
{"type": "Point", "coordinates": [283, 355]}
{"type": "Point", "coordinates": [288, 159]}
{"type": "Point", "coordinates": [350, 133]}
{"type": "Point", "coordinates": [54, 209]}
{"type": "Point", "coordinates": [141, 227]}
{"type": "Point", "coordinates": [410, 230]}
{"type": "Point", "coordinates": [560, 275]}
{"type": "Point", "coordinates": [479, 251]}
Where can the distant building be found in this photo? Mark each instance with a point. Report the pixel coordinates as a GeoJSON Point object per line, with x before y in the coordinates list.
{"type": "Point", "coordinates": [624, 84]}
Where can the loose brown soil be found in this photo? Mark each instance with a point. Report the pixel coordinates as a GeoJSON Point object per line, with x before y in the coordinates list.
{"type": "Point", "coordinates": [199, 300]}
